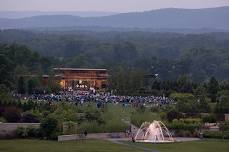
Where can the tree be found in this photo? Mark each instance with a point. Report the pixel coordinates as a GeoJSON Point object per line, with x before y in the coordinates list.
{"type": "Point", "coordinates": [5, 96]}
{"type": "Point", "coordinates": [222, 106]}
{"type": "Point", "coordinates": [21, 85]}
{"type": "Point", "coordinates": [203, 106]}
{"type": "Point", "coordinates": [201, 94]}
{"type": "Point", "coordinates": [53, 85]}
{"type": "Point", "coordinates": [32, 83]}
{"type": "Point", "coordinates": [156, 84]}
{"type": "Point", "coordinates": [213, 87]}
{"type": "Point", "coordinates": [184, 84]}
{"type": "Point", "coordinates": [126, 80]}
{"type": "Point", "coordinates": [186, 102]}
{"type": "Point", "coordinates": [224, 85]}
{"type": "Point", "coordinates": [6, 71]}
{"type": "Point", "coordinates": [17, 60]}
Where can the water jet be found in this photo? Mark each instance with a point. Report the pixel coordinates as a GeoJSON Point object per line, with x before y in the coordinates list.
{"type": "Point", "coordinates": [153, 132]}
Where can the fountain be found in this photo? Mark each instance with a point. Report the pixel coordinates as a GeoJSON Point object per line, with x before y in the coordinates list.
{"type": "Point", "coordinates": [155, 132]}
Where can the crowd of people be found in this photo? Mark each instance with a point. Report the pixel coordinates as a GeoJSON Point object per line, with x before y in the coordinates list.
{"type": "Point", "coordinates": [101, 97]}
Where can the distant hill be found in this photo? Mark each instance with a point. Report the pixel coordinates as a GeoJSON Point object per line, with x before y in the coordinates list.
{"type": "Point", "coordinates": [171, 18]}
{"type": "Point", "coordinates": [23, 14]}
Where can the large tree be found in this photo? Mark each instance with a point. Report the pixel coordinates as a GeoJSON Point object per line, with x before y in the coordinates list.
{"type": "Point", "coordinates": [213, 87]}
{"type": "Point", "coordinates": [6, 71]}
{"type": "Point", "coordinates": [21, 88]}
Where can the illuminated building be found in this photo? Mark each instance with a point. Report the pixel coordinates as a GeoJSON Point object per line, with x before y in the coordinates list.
{"type": "Point", "coordinates": [79, 78]}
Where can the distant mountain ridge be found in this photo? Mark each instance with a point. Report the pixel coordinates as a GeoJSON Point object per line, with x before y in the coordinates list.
{"type": "Point", "coordinates": [23, 14]}
{"type": "Point", "coordinates": [170, 18]}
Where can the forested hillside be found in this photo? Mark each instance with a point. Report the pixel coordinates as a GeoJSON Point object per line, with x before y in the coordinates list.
{"type": "Point", "coordinates": [16, 61]}
{"type": "Point", "coordinates": [170, 55]}
{"type": "Point", "coordinates": [174, 18]}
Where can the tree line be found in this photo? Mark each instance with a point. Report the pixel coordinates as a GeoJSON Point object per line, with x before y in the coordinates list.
{"type": "Point", "coordinates": [170, 55]}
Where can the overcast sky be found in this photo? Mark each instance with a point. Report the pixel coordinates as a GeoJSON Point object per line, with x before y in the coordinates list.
{"type": "Point", "coordinates": [105, 5]}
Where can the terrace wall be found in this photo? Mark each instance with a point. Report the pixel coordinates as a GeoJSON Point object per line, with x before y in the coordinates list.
{"type": "Point", "coordinates": [8, 130]}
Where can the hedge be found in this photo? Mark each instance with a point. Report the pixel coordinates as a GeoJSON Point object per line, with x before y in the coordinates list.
{"type": "Point", "coordinates": [216, 134]}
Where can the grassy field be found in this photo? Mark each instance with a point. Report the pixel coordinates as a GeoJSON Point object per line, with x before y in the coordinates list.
{"type": "Point", "coordinates": [54, 146]}
{"type": "Point", "coordinates": [105, 146]}
{"type": "Point", "coordinates": [191, 146]}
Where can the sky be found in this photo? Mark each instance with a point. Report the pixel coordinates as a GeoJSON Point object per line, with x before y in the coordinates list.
{"type": "Point", "coordinates": [105, 5]}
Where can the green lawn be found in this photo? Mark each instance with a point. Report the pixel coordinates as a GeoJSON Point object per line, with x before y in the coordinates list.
{"type": "Point", "coordinates": [20, 145]}
{"type": "Point", "coordinates": [54, 146]}
{"type": "Point", "coordinates": [191, 146]}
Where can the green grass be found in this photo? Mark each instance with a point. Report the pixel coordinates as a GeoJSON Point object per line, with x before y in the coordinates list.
{"type": "Point", "coordinates": [191, 146]}
{"type": "Point", "coordinates": [25, 145]}
{"type": "Point", "coordinates": [70, 146]}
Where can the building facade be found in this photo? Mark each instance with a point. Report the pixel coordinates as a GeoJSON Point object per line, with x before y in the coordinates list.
{"type": "Point", "coordinates": [83, 79]}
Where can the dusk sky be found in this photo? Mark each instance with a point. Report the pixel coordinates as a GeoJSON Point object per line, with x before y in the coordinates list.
{"type": "Point", "coordinates": [105, 5]}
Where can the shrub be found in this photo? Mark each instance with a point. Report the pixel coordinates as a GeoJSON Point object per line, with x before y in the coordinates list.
{"type": "Point", "coordinates": [139, 117]}
{"type": "Point", "coordinates": [173, 114]}
{"type": "Point", "coordinates": [49, 127]}
{"type": "Point", "coordinates": [69, 127]}
{"type": "Point", "coordinates": [12, 114]}
{"type": "Point", "coordinates": [94, 127]}
{"type": "Point", "coordinates": [185, 133]}
{"type": "Point", "coordinates": [191, 120]}
{"type": "Point", "coordinates": [29, 118]}
{"type": "Point", "coordinates": [90, 127]}
{"type": "Point", "coordinates": [224, 126]}
{"type": "Point", "coordinates": [184, 129]}
{"type": "Point", "coordinates": [24, 132]}
{"type": "Point", "coordinates": [183, 126]}
{"type": "Point", "coordinates": [216, 134]}
{"type": "Point", "coordinates": [2, 109]}
{"type": "Point", "coordinates": [34, 132]}
{"type": "Point", "coordinates": [115, 126]}
{"type": "Point", "coordinates": [2, 119]}
{"type": "Point", "coordinates": [209, 119]}
{"type": "Point", "coordinates": [163, 115]}
{"type": "Point", "coordinates": [182, 96]}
